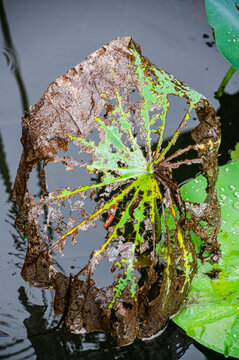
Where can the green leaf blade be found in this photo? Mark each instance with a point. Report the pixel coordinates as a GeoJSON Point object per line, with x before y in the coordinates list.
{"type": "Point", "coordinates": [211, 315]}
{"type": "Point", "coordinates": [223, 16]}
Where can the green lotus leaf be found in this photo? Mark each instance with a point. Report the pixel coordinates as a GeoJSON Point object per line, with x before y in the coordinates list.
{"type": "Point", "coordinates": [211, 315]}
{"type": "Point", "coordinates": [223, 16]}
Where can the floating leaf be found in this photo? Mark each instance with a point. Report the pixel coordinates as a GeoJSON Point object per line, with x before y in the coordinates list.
{"type": "Point", "coordinates": [114, 108]}
{"type": "Point", "coordinates": [211, 314]}
{"type": "Point", "coordinates": [223, 16]}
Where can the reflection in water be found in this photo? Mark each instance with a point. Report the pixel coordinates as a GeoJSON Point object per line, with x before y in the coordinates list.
{"type": "Point", "coordinates": [49, 343]}
{"type": "Point", "coordinates": [11, 56]}
{"type": "Point", "coordinates": [4, 170]}
{"type": "Point", "coordinates": [12, 347]}
{"type": "Point", "coordinates": [13, 62]}
{"type": "Point", "coordinates": [60, 344]}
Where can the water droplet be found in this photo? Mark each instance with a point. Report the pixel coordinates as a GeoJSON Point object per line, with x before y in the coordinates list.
{"type": "Point", "coordinates": [196, 181]}
{"type": "Point", "coordinates": [232, 187]}
{"type": "Point", "coordinates": [226, 169]}
{"type": "Point", "coordinates": [234, 335]}
{"type": "Point", "coordinates": [236, 194]}
{"type": "Point", "coordinates": [223, 221]}
{"type": "Point", "coordinates": [236, 205]}
{"type": "Point", "coordinates": [222, 189]}
{"type": "Point", "coordinates": [223, 197]}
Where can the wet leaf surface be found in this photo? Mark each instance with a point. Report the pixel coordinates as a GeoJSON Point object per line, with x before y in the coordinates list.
{"type": "Point", "coordinates": [211, 313]}
{"type": "Point", "coordinates": [113, 107]}
{"type": "Point", "coordinates": [223, 16]}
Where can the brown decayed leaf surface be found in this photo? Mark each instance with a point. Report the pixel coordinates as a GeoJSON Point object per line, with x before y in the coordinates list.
{"type": "Point", "coordinates": [69, 105]}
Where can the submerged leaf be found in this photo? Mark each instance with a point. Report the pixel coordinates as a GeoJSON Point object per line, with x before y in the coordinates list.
{"type": "Point", "coordinates": [211, 314]}
{"type": "Point", "coordinates": [114, 108]}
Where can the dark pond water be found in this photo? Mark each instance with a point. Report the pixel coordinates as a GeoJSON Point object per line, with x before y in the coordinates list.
{"type": "Point", "coordinates": [41, 40]}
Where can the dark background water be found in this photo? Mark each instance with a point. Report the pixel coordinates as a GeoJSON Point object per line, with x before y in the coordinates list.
{"type": "Point", "coordinates": [41, 40]}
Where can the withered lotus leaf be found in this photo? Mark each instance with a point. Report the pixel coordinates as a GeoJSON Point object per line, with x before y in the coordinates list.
{"type": "Point", "coordinates": [113, 107]}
